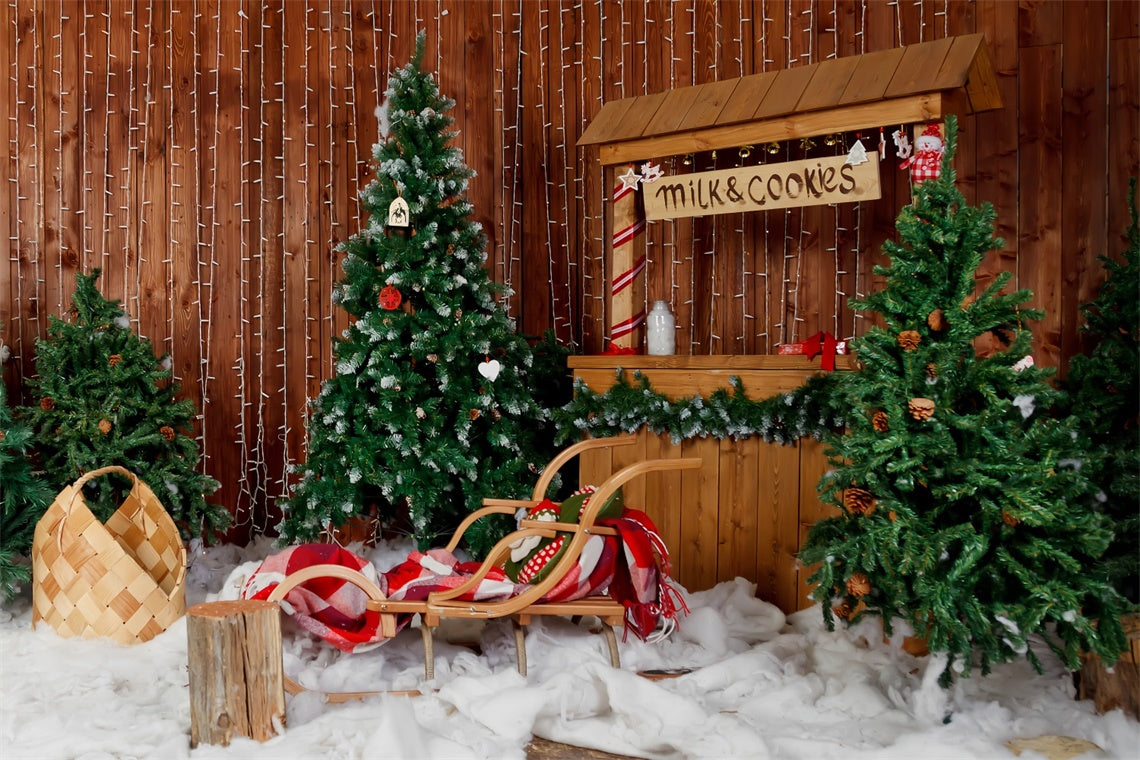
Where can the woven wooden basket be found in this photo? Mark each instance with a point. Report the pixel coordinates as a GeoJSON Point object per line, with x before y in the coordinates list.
{"type": "Point", "coordinates": [124, 580]}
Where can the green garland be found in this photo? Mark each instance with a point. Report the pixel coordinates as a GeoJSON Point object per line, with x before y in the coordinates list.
{"type": "Point", "coordinates": [809, 410]}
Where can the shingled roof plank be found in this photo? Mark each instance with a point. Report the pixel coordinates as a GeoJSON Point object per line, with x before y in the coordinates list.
{"type": "Point", "coordinates": [712, 100]}
{"type": "Point", "coordinates": [638, 116]}
{"type": "Point", "coordinates": [919, 66]}
{"type": "Point", "coordinates": [871, 77]}
{"type": "Point", "coordinates": [671, 113]}
{"type": "Point", "coordinates": [609, 116]}
{"type": "Point", "coordinates": [981, 82]}
{"type": "Point", "coordinates": [827, 86]}
{"type": "Point", "coordinates": [749, 91]}
{"type": "Point", "coordinates": [956, 67]}
{"type": "Point", "coordinates": [785, 92]}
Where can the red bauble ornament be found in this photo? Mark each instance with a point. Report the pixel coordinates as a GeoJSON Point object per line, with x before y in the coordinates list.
{"type": "Point", "coordinates": [390, 298]}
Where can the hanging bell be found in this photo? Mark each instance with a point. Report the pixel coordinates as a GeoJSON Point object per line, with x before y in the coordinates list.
{"type": "Point", "coordinates": [806, 144]}
{"type": "Point", "coordinates": [713, 155]}
{"type": "Point", "coordinates": [773, 147]}
{"type": "Point", "coordinates": [745, 151]}
{"type": "Point", "coordinates": [687, 160]}
{"type": "Point", "coordinates": [831, 140]}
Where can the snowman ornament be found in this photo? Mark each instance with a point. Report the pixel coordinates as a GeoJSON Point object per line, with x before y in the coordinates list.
{"type": "Point", "coordinates": [926, 162]}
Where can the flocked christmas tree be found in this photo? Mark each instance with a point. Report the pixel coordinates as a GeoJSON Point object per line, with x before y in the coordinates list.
{"type": "Point", "coordinates": [963, 508]}
{"type": "Point", "coordinates": [1105, 391]}
{"type": "Point", "coordinates": [432, 406]}
{"type": "Point", "coordinates": [104, 398]}
{"type": "Point", "coordinates": [23, 494]}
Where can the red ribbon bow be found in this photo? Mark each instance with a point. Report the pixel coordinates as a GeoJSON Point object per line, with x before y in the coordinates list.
{"type": "Point", "coordinates": [821, 343]}
{"type": "Point", "coordinates": [615, 350]}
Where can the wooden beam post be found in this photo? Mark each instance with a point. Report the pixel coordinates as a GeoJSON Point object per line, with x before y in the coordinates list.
{"type": "Point", "coordinates": [236, 680]}
{"type": "Point", "coordinates": [626, 257]}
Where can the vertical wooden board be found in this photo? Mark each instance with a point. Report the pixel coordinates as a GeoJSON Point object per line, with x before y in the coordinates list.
{"type": "Point", "coordinates": [341, 155]}
{"type": "Point", "coordinates": [225, 395]}
{"type": "Point", "coordinates": [777, 508]}
{"type": "Point", "coordinates": [479, 142]}
{"type": "Point", "coordinates": [8, 277]}
{"type": "Point", "coordinates": [26, 247]}
{"type": "Point", "coordinates": [997, 153]}
{"type": "Point", "coordinates": [52, 93]}
{"type": "Point", "coordinates": [536, 262]}
{"type": "Point", "coordinates": [269, 153]}
{"type": "Point", "coordinates": [1039, 22]}
{"type": "Point", "coordinates": [183, 203]}
{"type": "Point", "coordinates": [699, 515]}
{"type": "Point", "coordinates": [256, 290]}
{"type": "Point", "coordinates": [595, 191]}
{"type": "Point", "coordinates": [152, 179]}
{"type": "Point", "coordinates": [294, 203]}
{"type": "Point", "coordinates": [1040, 211]}
{"type": "Point", "coordinates": [812, 466]}
{"type": "Point", "coordinates": [623, 456]}
{"type": "Point", "coordinates": [960, 21]}
{"type": "Point", "coordinates": [119, 252]}
{"type": "Point", "coordinates": [594, 466]}
{"type": "Point", "coordinates": [740, 500]}
{"type": "Point", "coordinates": [663, 501]}
{"type": "Point", "coordinates": [1084, 167]}
{"type": "Point", "coordinates": [1123, 133]}
{"type": "Point", "coordinates": [555, 147]}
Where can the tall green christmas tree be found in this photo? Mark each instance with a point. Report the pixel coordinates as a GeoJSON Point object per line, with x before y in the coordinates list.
{"type": "Point", "coordinates": [432, 406]}
{"type": "Point", "coordinates": [23, 495]}
{"type": "Point", "coordinates": [1105, 390]}
{"type": "Point", "coordinates": [963, 507]}
{"type": "Point", "coordinates": [105, 398]}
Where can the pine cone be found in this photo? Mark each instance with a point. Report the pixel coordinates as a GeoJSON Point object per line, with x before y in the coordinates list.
{"type": "Point", "coordinates": [937, 320]}
{"type": "Point", "coordinates": [908, 340]}
{"type": "Point", "coordinates": [167, 432]}
{"type": "Point", "coordinates": [931, 370]}
{"type": "Point", "coordinates": [3, 435]}
{"type": "Point", "coordinates": [47, 403]}
{"type": "Point", "coordinates": [114, 359]}
{"type": "Point", "coordinates": [858, 585]}
{"type": "Point", "coordinates": [921, 409]}
{"type": "Point", "coordinates": [843, 610]}
{"type": "Point", "coordinates": [496, 415]}
{"type": "Point", "coordinates": [105, 426]}
{"type": "Point", "coordinates": [858, 501]}
{"type": "Point", "coordinates": [433, 358]}
{"type": "Point", "coordinates": [474, 414]}
{"type": "Point", "coordinates": [880, 422]}
{"type": "Point", "coordinates": [1009, 519]}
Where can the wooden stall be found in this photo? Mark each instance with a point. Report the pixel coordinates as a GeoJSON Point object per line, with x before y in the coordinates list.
{"type": "Point", "coordinates": [747, 511]}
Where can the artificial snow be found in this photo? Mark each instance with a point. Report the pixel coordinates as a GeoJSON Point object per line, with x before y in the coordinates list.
{"type": "Point", "coordinates": [761, 686]}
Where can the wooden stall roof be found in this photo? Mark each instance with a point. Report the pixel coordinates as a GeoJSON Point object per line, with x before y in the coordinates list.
{"type": "Point", "coordinates": [922, 82]}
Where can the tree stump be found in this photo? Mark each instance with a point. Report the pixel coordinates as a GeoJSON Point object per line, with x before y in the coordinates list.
{"type": "Point", "coordinates": [236, 679]}
{"type": "Point", "coordinates": [1120, 685]}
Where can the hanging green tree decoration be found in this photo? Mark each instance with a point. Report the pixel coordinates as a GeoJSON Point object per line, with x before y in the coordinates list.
{"type": "Point", "coordinates": [433, 403]}
{"type": "Point", "coordinates": [23, 495]}
{"type": "Point", "coordinates": [963, 509]}
{"type": "Point", "coordinates": [104, 398]}
{"type": "Point", "coordinates": [1105, 391]}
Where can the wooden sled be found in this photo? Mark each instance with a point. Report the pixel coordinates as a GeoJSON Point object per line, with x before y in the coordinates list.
{"type": "Point", "coordinates": [521, 608]}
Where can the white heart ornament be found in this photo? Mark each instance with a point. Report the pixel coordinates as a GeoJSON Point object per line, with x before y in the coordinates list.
{"type": "Point", "coordinates": [490, 369]}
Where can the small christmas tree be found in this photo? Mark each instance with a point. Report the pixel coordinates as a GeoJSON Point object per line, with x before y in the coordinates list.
{"type": "Point", "coordinates": [963, 509]}
{"type": "Point", "coordinates": [23, 495]}
{"type": "Point", "coordinates": [106, 399]}
{"type": "Point", "coordinates": [432, 406]}
{"type": "Point", "coordinates": [1105, 391]}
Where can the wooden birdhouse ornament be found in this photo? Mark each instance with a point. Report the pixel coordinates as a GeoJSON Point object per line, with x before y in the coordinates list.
{"type": "Point", "coordinates": [398, 216]}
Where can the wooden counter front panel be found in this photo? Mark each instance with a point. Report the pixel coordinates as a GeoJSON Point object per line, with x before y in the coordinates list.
{"type": "Point", "coordinates": [747, 510]}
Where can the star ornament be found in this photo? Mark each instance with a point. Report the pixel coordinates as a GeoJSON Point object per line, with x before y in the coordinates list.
{"type": "Point", "coordinates": [630, 179]}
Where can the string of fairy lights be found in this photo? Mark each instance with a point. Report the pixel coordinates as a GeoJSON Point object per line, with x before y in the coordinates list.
{"type": "Point", "coordinates": [321, 90]}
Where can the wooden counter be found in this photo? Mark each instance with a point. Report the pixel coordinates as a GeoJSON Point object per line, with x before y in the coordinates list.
{"type": "Point", "coordinates": [746, 512]}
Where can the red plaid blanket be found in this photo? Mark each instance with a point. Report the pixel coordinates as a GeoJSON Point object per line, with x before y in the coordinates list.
{"type": "Point", "coordinates": [634, 570]}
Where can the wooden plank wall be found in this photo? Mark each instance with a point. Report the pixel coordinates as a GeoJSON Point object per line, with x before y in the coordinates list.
{"type": "Point", "coordinates": [206, 154]}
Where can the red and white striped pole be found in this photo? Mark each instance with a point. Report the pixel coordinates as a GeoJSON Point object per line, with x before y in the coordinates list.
{"type": "Point", "coordinates": [627, 266]}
